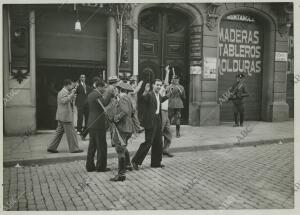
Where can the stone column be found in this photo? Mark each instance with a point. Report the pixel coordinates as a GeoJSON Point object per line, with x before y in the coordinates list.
{"type": "Point", "coordinates": [111, 46]}
{"type": "Point", "coordinates": [20, 111]}
{"type": "Point", "coordinates": [5, 50]}
{"type": "Point", "coordinates": [135, 52]}
{"type": "Point", "coordinates": [32, 56]}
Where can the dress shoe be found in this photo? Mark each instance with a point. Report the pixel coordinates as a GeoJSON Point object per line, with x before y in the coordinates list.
{"type": "Point", "coordinates": [52, 151]}
{"type": "Point", "coordinates": [242, 125]}
{"type": "Point", "coordinates": [129, 168]}
{"type": "Point", "coordinates": [158, 166]}
{"type": "Point", "coordinates": [135, 165]}
{"type": "Point", "coordinates": [118, 178]}
{"type": "Point", "coordinates": [140, 130]}
{"type": "Point", "coordinates": [91, 170]}
{"type": "Point", "coordinates": [168, 154]}
{"type": "Point", "coordinates": [78, 151]}
{"type": "Point", "coordinates": [104, 170]}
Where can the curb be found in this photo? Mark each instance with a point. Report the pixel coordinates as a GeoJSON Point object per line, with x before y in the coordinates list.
{"type": "Point", "coordinates": [43, 161]}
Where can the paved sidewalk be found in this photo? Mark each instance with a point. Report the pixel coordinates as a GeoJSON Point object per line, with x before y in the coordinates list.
{"type": "Point", "coordinates": [259, 177]}
{"type": "Point", "coordinates": [29, 150]}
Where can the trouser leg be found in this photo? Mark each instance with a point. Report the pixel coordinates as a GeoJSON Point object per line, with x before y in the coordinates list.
{"type": "Point", "coordinates": [241, 118]}
{"type": "Point", "coordinates": [144, 148]}
{"type": "Point", "coordinates": [101, 150]}
{"type": "Point", "coordinates": [156, 153]}
{"type": "Point", "coordinates": [127, 157]}
{"type": "Point", "coordinates": [71, 136]}
{"type": "Point", "coordinates": [166, 131]}
{"type": "Point", "coordinates": [57, 137]}
{"type": "Point", "coordinates": [80, 111]}
{"type": "Point", "coordinates": [86, 115]}
{"type": "Point", "coordinates": [236, 118]}
{"type": "Point", "coordinates": [121, 159]}
{"type": "Point", "coordinates": [90, 165]}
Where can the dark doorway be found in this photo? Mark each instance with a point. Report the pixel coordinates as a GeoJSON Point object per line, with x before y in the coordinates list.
{"type": "Point", "coordinates": [163, 40]}
{"type": "Point", "coordinates": [49, 82]}
{"type": "Point", "coordinates": [245, 34]}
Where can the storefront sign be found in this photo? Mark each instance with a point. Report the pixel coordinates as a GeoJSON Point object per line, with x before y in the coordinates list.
{"type": "Point", "coordinates": [195, 70]}
{"type": "Point", "coordinates": [210, 68]}
{"type": "Point", "coordinates": [239, 50]}
{"type": "Point", "coordinates": [196, 42]}
{"type": "Point", "coordinates": [281, 56]}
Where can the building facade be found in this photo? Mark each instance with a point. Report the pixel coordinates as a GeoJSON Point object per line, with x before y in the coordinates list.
{"type": "Point", "coordinates": [206, 43]}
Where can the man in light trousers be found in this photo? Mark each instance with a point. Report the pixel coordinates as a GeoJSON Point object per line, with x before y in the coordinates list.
{"type": "Point", "coordinates": [165, 121]}
{"type": "Point", "coordinates": [64, 117]}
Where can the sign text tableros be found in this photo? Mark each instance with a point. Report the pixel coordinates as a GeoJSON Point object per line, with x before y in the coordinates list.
{"type": "Point", "coordinates": [239, 50]}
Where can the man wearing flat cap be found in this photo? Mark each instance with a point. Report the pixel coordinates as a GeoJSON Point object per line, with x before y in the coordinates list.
{"type": "Point", "coordinates": [123, 121]}
{"type": "Point", "coordinates": [238, 92]}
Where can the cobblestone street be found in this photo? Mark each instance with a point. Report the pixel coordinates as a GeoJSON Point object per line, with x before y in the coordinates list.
{"type": "Point", "coordinates": [240, 178]}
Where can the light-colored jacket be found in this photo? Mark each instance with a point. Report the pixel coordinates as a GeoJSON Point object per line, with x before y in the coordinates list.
{"type": "Point", "coordinates": [64, 111]}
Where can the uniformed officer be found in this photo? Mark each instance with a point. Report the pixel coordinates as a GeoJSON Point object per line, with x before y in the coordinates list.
{"type": "Point", "coordinates": [238, 92]}
{"type": "Point", "coordinates": [177, 93]}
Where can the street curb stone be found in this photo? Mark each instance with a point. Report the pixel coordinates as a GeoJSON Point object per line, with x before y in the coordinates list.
{"type": "Point", "coordinates": [44, 161]}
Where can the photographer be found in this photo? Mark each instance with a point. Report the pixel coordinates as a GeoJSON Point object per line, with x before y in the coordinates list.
{"type": "Point", "coordinates": [64, 116]}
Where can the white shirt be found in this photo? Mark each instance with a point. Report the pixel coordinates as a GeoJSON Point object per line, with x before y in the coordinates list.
{"type": "Point", "coordinates": [83, 84]}
{"type": "Point", "coordinates": [165, 104]}
{"type": "Point", "coordinates": [157, 103]}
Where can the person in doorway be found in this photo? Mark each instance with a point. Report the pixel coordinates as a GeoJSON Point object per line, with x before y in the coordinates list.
{"type": "Point", "coordinates": [238, 93]}
{"type": "Point", "coordinates": [82, 105]}
{"type": "Point", "coordinates": [177, 94]}
{"type": "Point", "coordinates": [123, 121]}
{"type": "Point", "coordinates": [152, 124]}
{"type": "Point", "coordinates": [64, 116]}
{"type": "Point", "coordinates": [166, 125]}
{"type": "Point", "coordinates": [133, 96]}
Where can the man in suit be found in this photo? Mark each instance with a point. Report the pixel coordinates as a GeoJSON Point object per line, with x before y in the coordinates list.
{"type": "Point", "coordinates": [97, 129]}
{"type": "Point", "coordinates": [64, 116]}
{"type": "Point", "coordinates": [82, 105]}
{"type": "Point", "coordinates": [152, 124]}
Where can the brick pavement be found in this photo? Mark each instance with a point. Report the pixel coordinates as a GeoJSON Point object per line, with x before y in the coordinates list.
{"type": "Point", "coordinates": [241, 178]}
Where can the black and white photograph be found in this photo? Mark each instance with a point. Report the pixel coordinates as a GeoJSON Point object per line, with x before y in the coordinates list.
{"type": "Point", "coordinates": [150, 106]}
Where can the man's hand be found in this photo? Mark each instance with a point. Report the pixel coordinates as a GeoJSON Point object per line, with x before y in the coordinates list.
{"type": "Point", "coordinates": [73, 93]}
{"type": "Point", "coordinates": [140, 83]}
{"type": "Point", "coordinates": [167, 68]}
{"type": "Point", "coordinates": [147, 89]}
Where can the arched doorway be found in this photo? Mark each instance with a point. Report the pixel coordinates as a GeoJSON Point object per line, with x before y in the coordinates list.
{"type": "Point", "coordinates": [163, 40]}
{"type": "Point", "coordinates": [241, 39]}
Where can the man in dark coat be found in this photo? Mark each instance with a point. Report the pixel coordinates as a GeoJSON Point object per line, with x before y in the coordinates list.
{"type": "Point", "coordinates": [97, 129]}
{"type": "Point", "coordinates": [152, 124]}
{"type": "Point", "coordinates": [82, 105]}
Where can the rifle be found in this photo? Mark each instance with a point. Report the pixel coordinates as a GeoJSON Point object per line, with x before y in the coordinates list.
{"type": "Point", "coordinates": [234, 92]}
{"type": "Point", "coordinates": [112, 123]}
